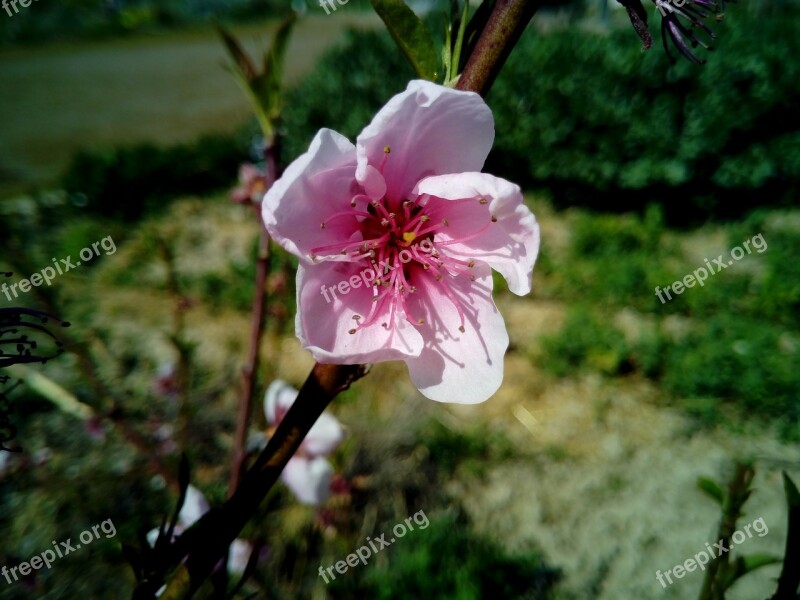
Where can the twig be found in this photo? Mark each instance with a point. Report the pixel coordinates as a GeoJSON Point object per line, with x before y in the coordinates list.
{"type": "Point", "coordinates": [504, 28]}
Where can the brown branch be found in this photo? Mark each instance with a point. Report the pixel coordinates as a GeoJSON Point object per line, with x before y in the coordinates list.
{"type": "Point", "coordinates": [504, 28]}
{"type": "Point", "coordinates": [250, 371]}
{"type": "Point", "coordinates": [204, 545]}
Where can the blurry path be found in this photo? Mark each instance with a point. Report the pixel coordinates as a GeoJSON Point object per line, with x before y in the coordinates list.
{"type": "Point", "coordinates": [168, 88]}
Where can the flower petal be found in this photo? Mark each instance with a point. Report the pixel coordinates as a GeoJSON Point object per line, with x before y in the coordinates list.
{"type": "Point", "coordinates": [430, 130]}
{"type": "Point", "coordinates": [324, 319]}
{"type": "Point", "coordinates": [277, 400]}
{"type": "Point", "coordinates": [511, 245]}
{"type": "Point", "coordinates": [309, 479]}
{"type": "Point", "coordinates": [462, 367]}
{"type": "Point", "coordinates": [194, 507]}
{"type": "Point", "coordinates": [315, 186]}
{"type": "Point", "coordinates": [238, 556]}
{"type": "Point", "coordinates": [323, 438]}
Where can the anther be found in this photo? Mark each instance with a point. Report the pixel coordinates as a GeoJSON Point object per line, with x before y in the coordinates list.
{"type": "Point", "coordinates": [352, 331]}
{"type": "Point", "coordinates": [387, 149]}
{"type": "Point", "coordinates": [494, 219]}
{"type": "Point", "coordinates": [461, 328]}
{"type": "Point", "coordinates": [471, 264]}
{"type": "Point", "coordinates": [484, 201]}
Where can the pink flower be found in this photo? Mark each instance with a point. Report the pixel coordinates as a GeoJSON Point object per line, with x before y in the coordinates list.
{"type": "Point", "coordinates": [195, 506]}
{"type": "Point", "coordinates": [397, 238]}
{"type": "Point", "coordinates": [252, 185]}
{"type": "Point", "coordinates": [308, 474]}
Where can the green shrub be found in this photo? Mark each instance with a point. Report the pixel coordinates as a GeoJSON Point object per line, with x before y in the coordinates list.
{"type": "Point", "coordinates": [128, 182]}
{"type": "Point", "coordinates": [448, 560]}
{"type": "Point", "coordinates": [745, 361]}
{"type": "Point", "coordinates": [597, 122]}
{"type": "Point", "coordinates": [585, 341]}
{"type": "Point", "coordinates": [345, 90]}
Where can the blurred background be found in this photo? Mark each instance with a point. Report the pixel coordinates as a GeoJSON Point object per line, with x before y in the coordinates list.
{"type": "Point", "coordinates": [578, 479]}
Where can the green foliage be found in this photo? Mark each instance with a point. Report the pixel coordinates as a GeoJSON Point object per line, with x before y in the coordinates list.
{"type": "Point", "coordinates": [447, 560]}
{"type": "Point", "coordinates": [619, 126]}
{"type": "Point", "coordinates": [345, 90]}
{"type": "Point", "coordinates": [737, 358]}
{"type": "Point", "coordinates": [411, 36]}
{"type": "Point", "coordinates": [128, 182]}
{"type": "Point", "coordinates": [739, 341]}
{"type": "Point", "coordinates": [448, 448]}
{"type": "Point", "coordinates": [585, 341]}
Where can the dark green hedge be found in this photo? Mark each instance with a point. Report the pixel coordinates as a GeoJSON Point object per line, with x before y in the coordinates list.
{"type": "Point", "coordinates": [585, 116]}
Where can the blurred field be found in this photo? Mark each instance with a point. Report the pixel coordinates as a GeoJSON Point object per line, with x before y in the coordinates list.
{"type": "Point", "coordinates": [164, 88]}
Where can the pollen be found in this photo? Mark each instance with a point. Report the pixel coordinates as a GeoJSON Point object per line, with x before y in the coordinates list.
{"type": "Point", "coordinates": [409, 236]}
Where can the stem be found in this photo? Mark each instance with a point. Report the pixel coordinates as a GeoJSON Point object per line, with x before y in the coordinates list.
{"type": "Point", "coordinates": [204, 544]}
{"type": "Point", "coordinates": [737, 495]}
{"type": "Point", "coordinates": [504, 28]}
{"type": "Point", "coordinates": [249, 373]}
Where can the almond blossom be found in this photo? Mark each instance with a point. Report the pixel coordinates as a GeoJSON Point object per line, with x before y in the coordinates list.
{"type": "Point", "coordinates": [308, 473]}
{"type": "Point", "coordinates": [408, 203]}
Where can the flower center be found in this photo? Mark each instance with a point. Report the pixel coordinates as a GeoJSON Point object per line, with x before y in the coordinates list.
{"type": "Point", "coordinates": [396, 243]}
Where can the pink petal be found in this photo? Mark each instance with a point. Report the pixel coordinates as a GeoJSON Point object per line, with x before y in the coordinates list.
{"type": "Point", "coordinates": [430, 130]}
{"type": "Point", "coordinates": [324, 327]}
{"type": "Point", "coordinates": [277, 400]}
{"type": "Point", "coordinates": [510, 245]}
{"type": "Point", "coordinates": [194, 507]}
{"type": "Point", "coordinates": [462, 367]}
{"type": "Point", "coordinates": [308, 479]}
{"type": "Point", "coordinates": [315, 186]}
{"type": "Point", "coordinates": [323, 438]}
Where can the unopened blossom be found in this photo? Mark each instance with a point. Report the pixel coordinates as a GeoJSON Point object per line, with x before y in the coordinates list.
{"type": "Point", "coordinates": [195, 506]}
{"type": "Point", "coordinates": [681, 21]}
{"type": "Point", "coordinates": [397, 237]}
{"type": "Point", "coordinates": [308, 473]}
{"type": "Point", "coordinates": [253, 183]}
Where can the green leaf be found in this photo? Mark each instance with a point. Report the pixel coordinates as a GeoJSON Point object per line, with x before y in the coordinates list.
{"type": "Point", "coordinates": [239, 56]}
{"type": "Point", "coordinates": [459, 40]}
{"type": "Point", "coordinates": [712, 489]}
{"type": "Point", "coordinates": [410, 35]}
{"type": "Point", "coordinates": [747, 564]}
{"type": "Point", "coordinates": [447, 54]}
{"type": "Point", "coordinates": [789, 579]}
{"type": "Point", "coordinates": [274, 59]}
{"type": "Point", "coordinates": [262, 89]}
